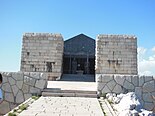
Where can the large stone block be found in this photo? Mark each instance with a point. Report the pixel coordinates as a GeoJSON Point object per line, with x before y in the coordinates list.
{"type": "Point", "coordinates": [41, 84]}
{"type": "Point", "coordinates": [34, 90]}
{"type": "Point", "coordinates": [19, 84]}
{"type": "Point", "coordinates": [15, 89]}
{"type": "Point", "coordinates": [111, 84]}
{"type": "Point", "coordinates": [119, 79]}
{"type": "Point", "coordinates": [128, 78]}
{"type": "Point", "coordinates": [25, 88]}
{"type": "Point", "coordinates": [149, 86]}
{"type": "Point", "coordinates": [9, 97]}
{"type": "Point", "coordinates": [13, 105]}
{"type": "Point", "coordinates": [19, 97]}
{"type": "Point", "coordinates": [117, 89]}
{"type": "Point", "coordinates": [135, 80]}
{"type": "Point", "coordinates": [128, 85]}
{"type": "Point", "coordinates": [27, 96]}
{"type": "Point", "coordinates": [107, 78]}
{"type": "Point", "coordinates": [100, 86]}
{"type": "Point", "coordinates": [138, 92]}
{"type": "Point", "coordinates": [43, 76]}
{"type": "Point", "coordinates": [141, 80]}
{"type": "Point", "coordinates": [4, 107]}
{"type": "Point", "coordinates": [11, 81]}
{"type": "Point", "coordinates": [147, 97]}
{"type": "Point", "coordinates": [29, 80]}
{"type": "Point", "coordinates": [5, 79]}
{"type": "Point", "coordinates": [149, 105]}
{"type": "Point", "coordinates": [35, 75]}
{"type": "Point", "coordinates": [6, 87]}
{"type": "Point", "coordinates": [17, 76]}
{"type": "Point", "coordinates": [106, 90]}
{"type": "Point", "coordinates": [148, 78]}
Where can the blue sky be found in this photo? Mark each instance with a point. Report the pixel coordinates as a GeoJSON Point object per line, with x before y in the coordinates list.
{"type": "Point", "coordinates": [72, 17]}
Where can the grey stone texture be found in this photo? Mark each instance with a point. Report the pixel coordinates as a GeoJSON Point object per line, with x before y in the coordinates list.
{"type": "Point", "coordinates": [145, 90]}
{"type": "Point", "coordinates": [42, 52]}
{"type": "Point", "coordinates": [17, 90]}
{"type": "Point", "coordinates": [116, 54]}
{"type": "Point", "coordinates": [63, 106]}
{"type": "Point", "coordinates": [116, 68]}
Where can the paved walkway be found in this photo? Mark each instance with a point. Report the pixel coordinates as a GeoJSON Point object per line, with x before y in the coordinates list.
{"type": "Point", "coordinates": [64, 106]}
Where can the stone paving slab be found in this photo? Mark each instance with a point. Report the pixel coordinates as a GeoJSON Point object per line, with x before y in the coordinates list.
{"type": "Point", "coordinates": [64, 106]}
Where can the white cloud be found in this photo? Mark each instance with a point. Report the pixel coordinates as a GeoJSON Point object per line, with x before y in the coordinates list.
{"type": "Point", "coordinates": [141, 53]}
{"type": "Point", "coordinates": [141, 50]}
{"type": "Point", "coordinates": [153, 49]}
{"type": "Point", "coordinates": [146, 66]}
{"type": "Point", "coordinates": [152, 58]}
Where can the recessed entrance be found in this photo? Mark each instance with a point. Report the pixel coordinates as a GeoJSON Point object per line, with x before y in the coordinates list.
{"type": "Point", "coordinates": [79, 56]}
{"type": "Point", "coordinates": [79, 65]}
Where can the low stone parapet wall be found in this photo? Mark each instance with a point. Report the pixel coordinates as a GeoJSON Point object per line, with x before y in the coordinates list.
{"type": "Point", "coordinates": [19, 86]}
{"type": "Point", "coordinates": [143, 86]}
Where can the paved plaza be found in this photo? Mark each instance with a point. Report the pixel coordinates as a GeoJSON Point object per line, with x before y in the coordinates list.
{"type": "Point", "coordinates": [64, 106]}
{"type": "Point", "coordinates": [72, 85]}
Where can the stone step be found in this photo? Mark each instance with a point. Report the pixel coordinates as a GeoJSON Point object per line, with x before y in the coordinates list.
{"type": "Point", "coordinates": [69, 93]}
{"type": "Point", "coordinates": [56, 90]}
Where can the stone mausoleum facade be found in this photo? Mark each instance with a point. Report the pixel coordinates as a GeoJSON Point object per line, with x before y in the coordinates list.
{"type": "Point", "coordinates": [49, 53]}
{"type": "Point", "coordinates": [112, 59]}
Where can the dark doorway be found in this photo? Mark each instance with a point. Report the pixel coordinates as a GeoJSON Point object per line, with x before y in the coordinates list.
{"type": "Point", "coordinates": [73, 65]}
{"type": "Point", "coordinates": [79, 58]}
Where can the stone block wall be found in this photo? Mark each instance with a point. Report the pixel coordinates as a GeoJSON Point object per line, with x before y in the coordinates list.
{"type": "Point", "coordinates": [116, 54]}
{"type": "Point", "coordinates": [143, 86]}
{"type": "Point", "coordinates": [18, 87]}
{"type": "Point", "coordinates": [42, 52]}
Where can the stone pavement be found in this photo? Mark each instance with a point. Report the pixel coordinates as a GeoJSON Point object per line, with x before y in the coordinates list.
{"type": "Point", "coordinates": [64, 106]}
{"type": "Point", "coordinates": [72, 85]}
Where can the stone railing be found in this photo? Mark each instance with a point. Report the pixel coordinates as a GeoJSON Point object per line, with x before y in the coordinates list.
{"type": "Point", "coordinates": [19, 86]}
{"type": "Point", "coordinates": [143, 86]}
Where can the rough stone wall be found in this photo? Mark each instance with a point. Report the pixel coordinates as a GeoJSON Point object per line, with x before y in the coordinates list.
{"type": "Point", "coordinates": [116, 69]}
{"type": "Point", "coordinates": [18, 87]}
{"type": "Point", "coordinates": [42, 52]}
{"type": "Point", "coordinates": [116, 54]}
{"type": "Point", "coordinates": [143, 86]}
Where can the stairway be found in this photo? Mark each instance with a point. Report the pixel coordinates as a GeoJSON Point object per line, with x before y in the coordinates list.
{"type": "Point", "coordinates": [68, 93]}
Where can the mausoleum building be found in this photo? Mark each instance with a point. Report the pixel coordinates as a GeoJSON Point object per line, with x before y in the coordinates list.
{"type": "Point", "coordinates": [111, 60]}
{"type": "Point", "coordinates": [49, 53]}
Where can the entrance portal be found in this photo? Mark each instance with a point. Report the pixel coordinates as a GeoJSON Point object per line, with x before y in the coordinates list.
{"type": "Point", "coordinates": [79, 55]}
{"type": "Point", "coordinates": [78, 65]}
